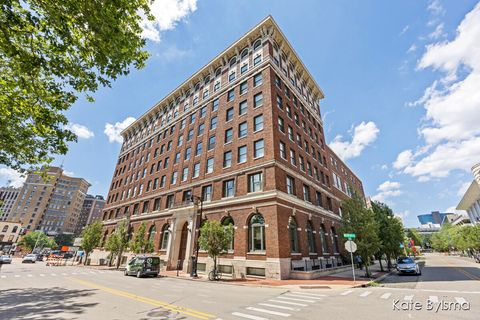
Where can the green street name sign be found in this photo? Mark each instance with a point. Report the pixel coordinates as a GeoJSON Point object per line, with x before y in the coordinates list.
{"type": "Point", "coordinates": [349, 235]}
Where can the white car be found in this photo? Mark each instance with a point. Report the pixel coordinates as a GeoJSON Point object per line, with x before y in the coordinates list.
{"type": "Point", "coordinates": [408, 265]}
{"type": "Point", "coordinates": [5, 259]}
{"type": "Point", "coordinates": [29, 258]}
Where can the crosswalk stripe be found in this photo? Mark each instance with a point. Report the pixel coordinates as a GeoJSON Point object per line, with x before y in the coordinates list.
{"type": "Point", "coordinates": [386, 295]}
{"type": "Point", "coordinates": [17, 276]}
{"type": "Point", "coordinates": [409, 297]}
{"type": "Point", "coordinates": [295, 299]}
{"type": "Point", "coordinates": [101, 272]}
{"type": "Point", "coordinates": [302, 296]}
{"type": "Point", "coordinates": [278, 307]}
{"type": "Point", "coordinates": [74, 273]}
{"type": "Point", "coordinates": [54, 274]}
{"type": "Point", "coordinates": [366, 294]}
{"type": "Point", "coordinates": [3, 277]}
{"type": "Point", "coordinates": [289, 303]}
{"type": "Point", "coordinates": [92, 272]}
{"type": "Point", "coordinates": [460, 300]}
{"type": "Point", "coordinates": [276, 313]}
{"type": "Point", "coordinates": [64, 274]}
{"type": "Point", "coordinates": [29, 275]}
{"type": "Point", "coordinates": [309, 294]}
{"type": "Point", "coordinates": [247, 316]}
{"type": "Point", "coordinates": [42, 275]}
{"type": "Point", "coordinates": [346, 292]}
{"type": "Point", "coordinates": [433, 299]}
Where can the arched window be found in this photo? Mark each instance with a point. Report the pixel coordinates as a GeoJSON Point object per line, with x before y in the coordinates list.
{"type": "Point", "coordinates": [218, 73]}
{"type": "Point", "coordinates": [244, 54]}
{"type": "Point", "coordinates": [229, 221]}
{"type": "Point", "coordinates": [151, 233]}
{"type": "Point", "coordinates": [257, 44]}
{"type": "Point", "coordinates": [333, 235]}
{"type": "Point", "coordinates": [15, 229]}
{"type": "Point", "coordinates": [165, 237]}
{"type": "Point", "coordinates": [256, 233]}
{"type": "Point", "coordinates": [311, 238]}
{"type": "Point", "coordinates": [292, 232]}
{"type": "Point", "coordinates": [233, 61]}
{"type": "Point", "coordinates": [323, 238]}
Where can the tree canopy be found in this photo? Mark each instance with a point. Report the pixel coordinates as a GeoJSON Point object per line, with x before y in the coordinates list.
{"type": "Point", "coordinates": [51, 52]}
{"type": "Point", "coordinates": [91, 236]}
{"type": "Point", "coordinates": [140, 242]}
{"type": "Point", "coordinates": [215, 238]}
{"type": "Point", "coordinates": [38, 238]}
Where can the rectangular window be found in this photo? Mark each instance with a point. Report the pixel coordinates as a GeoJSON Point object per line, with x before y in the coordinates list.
{"type": "Point", "coordinates": [211, 143]}
{"type": "Point", "coordinates": [257, 79]}
{"type": "Point", "coordinates": [258, 149]}
{"type": "Point", "coordinates": [231, 76]}
{"type": "Point", "coordinates": [182, 124]}
{"type": "Point", "coordinates": [207, 193]}
{"type": "Point", "coordinates": [231, 95]}
{"type": "Point", "coordinates": [228, 135]}
{"type": "Point", "coordinates": [302, 163]}
{"type": "Point", "coordinates": [289, 111]}
{"type": "Point", "coordinates": [177, 158]}
{"type": "Point", "coordinates": [255, 182]}
{"type": "Point", "coordinates": [173, 179]}
{"type": "Point", "coordinates": [169, 145]}
{"type": "Point", "coordinates": [185, 174]}
{"type": "Point", "coordinates": [293, 158]}
{"type": "Point", "coordinates": [209, 168]}
{"type": "Point", "coordinates": [213, 123]}
{"type": "Point", "coordinates": [196, 170]}
{"type": "Point", "coordinates": [227, 159]}
{"type": "Point", "coordinates": [318, 199]}
{"type": "Point", "coordinates": [198, 149]}
{"type": "Point", "coordinates": [290, 185]}
{"type": "Point", "coordinates": [257, 59]}
{"type": "Point", "coordinates": [258, 123]}
{"type": "Point", "coordinates": [243, 87]}
{"type": "Point", "coordinates": [242, 129]}
{"type": "Point", "coordinates": [188, 152]}
{"type": "Point", "coordinates": [258, 100]}
{"type": "Point", "coordinates": [242, 154]}
{"type": "Point", "coordinates": [228, 188]}
{"type": "Point", "coordinates": [201, 129]}
{"type": "Point", "coordinates": [229, 114]}
{"type": "Point", "coordinates": [279, 102]}
{"type": "Point", "coordinates": [281, 125]}
{"type": "Point", "coordinates": [242, 107]}
{"type": "Point", "coordinates": [156, 204]}
{"type": "Point", "coordinates": [243, 68]}
{"type": "Point", "coordinates": [192, 118]}
{"type": "Point", "coordinates": [306, 193]}
{"type": "Point", "coordinates": [145, 207]}
{"type": "Point", "coordinates": [203, 112]}
{"type": "Point", "coordinates": [283, 152]}
{"type": "Point", "coordinates": [290, 133]}
{"type": "Point", "coordinates": [163, 180]}
{"type": "Point", "coordinates": [190, 135]}
{"type": "Point", "coordinates": [187, 196]}
{"type": "Point", "coordinates": [170, 201]}
{"type": "Point", "coordinates": [215, 105]}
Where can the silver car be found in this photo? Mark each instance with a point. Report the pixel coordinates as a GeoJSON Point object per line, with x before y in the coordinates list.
{"type": "Point", "coordinates": [29, 258]}
{"type": "Point", "coordinates": [5, 259]}
{"type": "Point", "coordinates": [408, 265]}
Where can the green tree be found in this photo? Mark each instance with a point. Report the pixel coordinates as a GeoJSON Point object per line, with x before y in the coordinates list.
{"type": "Point", "coordinates": [361, 221]}
{"type": "Point", "coordinates": [52, 52]}
{"type": "Point", "coordinates": [113, 245]}
{"type": "Point", "coordinates": [140, 242]}
{"type": "Point", "coordinates": [215, 238]}
{"type": "Point", "coordinates": [123, 238]}
{"type": "Point", "coordinates": [91, 236]}
{"type": "Point", "coordinates": [64, 239]}
{"type": "Point", "coordinates": [444, 239]}
{"type": "Point", "coordinates": [415, 236]}
{"type": "Point", "coordinates": [390, 233]}
{"type": "Point", "coordinates": [37, 240]}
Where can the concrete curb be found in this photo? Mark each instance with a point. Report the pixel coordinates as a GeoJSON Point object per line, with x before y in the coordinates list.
{"type": "Point", "coordinates": [371, 282]}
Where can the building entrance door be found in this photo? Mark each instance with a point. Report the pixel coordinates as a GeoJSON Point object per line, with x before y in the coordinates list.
{"type": "Point", "coordinates": [183, 244]}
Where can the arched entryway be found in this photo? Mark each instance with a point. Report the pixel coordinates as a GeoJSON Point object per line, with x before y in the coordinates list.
{"type": "Point", "coordinates": [183, 244]}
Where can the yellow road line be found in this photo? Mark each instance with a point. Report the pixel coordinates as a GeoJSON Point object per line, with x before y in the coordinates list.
{"type": "Point", "coordinates": [466, 273]}
{"type": "Point", "coordinates": [191, 312]}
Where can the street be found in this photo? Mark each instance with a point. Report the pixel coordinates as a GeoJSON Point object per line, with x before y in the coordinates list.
{"type": "Point", "coordinates": [35, 291]}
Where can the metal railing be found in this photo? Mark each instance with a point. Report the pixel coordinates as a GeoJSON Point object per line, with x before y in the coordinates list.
{"type": "Point", "coordinates": [316, 264]}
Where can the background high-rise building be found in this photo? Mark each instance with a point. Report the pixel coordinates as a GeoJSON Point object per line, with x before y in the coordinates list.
{"type": "Point", "coordinates": [51, 204]}
{"type": "Point", "coordinates": [91, 211]}
{"type": "Point", "coordinates": [8, 196]}
{"type": "Point", "coordinates": [242, 140]}
{"type": "Point", "coordinates": [471, 199]}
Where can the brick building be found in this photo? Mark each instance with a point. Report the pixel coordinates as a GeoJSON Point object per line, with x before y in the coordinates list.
{"type": "Point", "coordinates": [244, 138]}
{"type": "Point", "coordinates": [91, 211]}
{"type": "Point", "coordinates": [8, 196]}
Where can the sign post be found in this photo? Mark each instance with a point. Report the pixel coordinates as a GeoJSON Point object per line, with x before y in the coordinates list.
{"type": "Point", "coordinates": [351, 247]}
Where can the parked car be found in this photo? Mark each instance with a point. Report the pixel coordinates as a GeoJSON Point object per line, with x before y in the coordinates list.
{"type": "Point", "coordinates": [5, 259]}
{"type": "Point", "coordinates": [39, 257]}
{"type": "Point", "coordinates": [29, 258]}
{"type": "Point", "coordinates": [408, 265]}
{"type": "Point", "coordinates": [143, 266]}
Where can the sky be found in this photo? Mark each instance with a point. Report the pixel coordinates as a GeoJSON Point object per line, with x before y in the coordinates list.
{"type": "Point", "coordinates": [401, 81]}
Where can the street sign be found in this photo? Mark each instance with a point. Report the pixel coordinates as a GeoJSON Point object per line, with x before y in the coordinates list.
{"type": "Point", "coordinates": [349, 235]}
{"type": "Point", "coordinates": [350, 246]}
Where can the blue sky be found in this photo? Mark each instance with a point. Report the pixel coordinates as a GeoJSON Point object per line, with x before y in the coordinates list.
{"type": "Point", "coordinates": [398, 76]}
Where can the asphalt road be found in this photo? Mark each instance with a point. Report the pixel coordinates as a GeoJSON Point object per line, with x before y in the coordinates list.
{"type": "Point", "coordinates": [35, 291]}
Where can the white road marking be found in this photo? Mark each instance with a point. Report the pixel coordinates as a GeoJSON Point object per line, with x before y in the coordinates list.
{"type": "Point", "coordinates": [408, 298]}
{"type": "Point", "coordinates": [64, 274]}
{"type": "Point", "coordinates": [278, 307]}
{"type": "Point", "coordinates": [53, 274]}
{"type": "Point", "coordinates": [93, 272]}
{"type": "Point", "coordinates": [309, 294]}
{"type": "Point", "coordinates": [84, 273]}
{"type": "Point", "coordinates": [434, 299]}
{"type": "Point", "coordinates": [42, 275]}
{"type": "Point", "coordinates": [29, 275]}
{"type": "Point", "coordinates": [247, 316]}
{"type": "Point", "coordinates": [101, 272]}
{"type": "Point", "coordinates": [295, 299]}
{"type": "Point", "coordinates": [366, 294]}
{"type": "Point", "coordinates": [460, 300]}
{"type": "Point", "coordinates": [302, 296]}
{"type": "Point", "coordinates": [275, 313]}
{"type": "Point", "coordinates": [290, 303]}
{"type": "Point", "coordinates": [74, 273]}
{"type": "Point", "coordinates": [386, 295]}
{"type": "Point", "coordinates": [3, 277]}
{"type": "Point", "coordinates": [346, 292]}
{"type": "Point", "coordinates": [17, 276]}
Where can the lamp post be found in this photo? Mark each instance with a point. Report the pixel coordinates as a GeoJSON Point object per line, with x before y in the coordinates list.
{"type": "Point", "coordinates": [198, 223]}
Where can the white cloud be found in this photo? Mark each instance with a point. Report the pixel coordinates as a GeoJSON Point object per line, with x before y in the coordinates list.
{"type": "Point", "coordinates": [452, 103]}
{"type": "Point", "coordinates": [113, 130]}
{"type": "Point", "coordinates": [387, 190]}
{"type": "Point", "coordinates": [11, 178]}
{"type": "Point", "coordinates": [81, 131]}
{"type": "Point", "coordinates": [363, 135]}
{"type": "Point", "coordinates": [167, 13]}
{"type": "Point", "coordinates": [412, 48]}
{"type": "Point", "coordinates": [68, 173]}
{"type": "Point", "coordinates": [405, 29]}
{"type": "Point", "coordinates": [435, 7]}
{"type": "Point", "coordinates": [403, 214]}
{"type": "Point", "coordinates": [437, 33]}
{"type": "Point", "coordinates": [384, 167]}
{"type": "Point", "coordinates": [404, 159]}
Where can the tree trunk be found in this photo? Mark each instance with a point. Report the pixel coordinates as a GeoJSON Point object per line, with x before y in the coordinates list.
{"type": "Point", "coordinates": [381, 265]}
{"type": "Point", "coordinates": [215, 263]}
{"type": "Point", "coordinates": [119, 257]}
{"type": "Point", "coordinates": [389, 262]}
{"type": "Point", "coordinates": [86, 257]}
{"type": "Point", "coordinates": [367, 271]}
